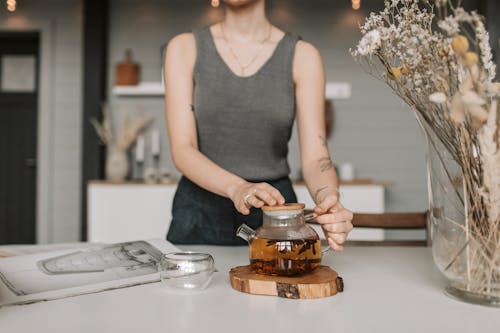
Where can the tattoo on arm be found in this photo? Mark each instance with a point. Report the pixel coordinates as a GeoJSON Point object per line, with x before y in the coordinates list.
{"type": "Point", "coordinates": [325, 163]}
{"type": "Point", "coordinates": [324, 142]}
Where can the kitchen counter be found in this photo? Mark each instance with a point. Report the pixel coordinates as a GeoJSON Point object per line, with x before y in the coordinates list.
{"type": "Point", "coordinates": [387, 289]}
{"type": "Point", "coordinates": [121, 212]}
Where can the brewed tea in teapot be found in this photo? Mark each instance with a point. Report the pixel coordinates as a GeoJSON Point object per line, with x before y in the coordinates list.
{"type": "Point", "coordinates": [284, 244]}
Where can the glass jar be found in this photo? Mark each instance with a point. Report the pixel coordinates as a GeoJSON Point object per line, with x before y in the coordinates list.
{"type": "Point", "coordinates": [461, 244]}
{"type": "Point", "coordinates": [284, 244]}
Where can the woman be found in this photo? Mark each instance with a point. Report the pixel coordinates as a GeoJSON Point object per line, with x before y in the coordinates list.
{"type": "Point", "coordinates": [232, 93]}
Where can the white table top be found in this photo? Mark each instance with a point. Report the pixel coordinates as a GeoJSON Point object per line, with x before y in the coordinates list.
{"type": "Point", "coordinates": [387, 289]}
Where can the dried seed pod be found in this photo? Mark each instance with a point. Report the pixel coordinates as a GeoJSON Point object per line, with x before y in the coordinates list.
{"type": "Point", "coordinates": [404, 69]}
{"type": "Point", "coordinates": [443, 53]}
{"type": "Point", "coordinates": [471, 59]}
{"type": "Point", "coordinates": [460, 44]}
{"type": "Point", "coordinates": [437, 97]}
{"type": "Point", "coordinates": [394, 73]}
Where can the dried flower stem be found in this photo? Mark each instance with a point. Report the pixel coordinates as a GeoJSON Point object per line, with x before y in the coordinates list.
{"type": "Point", "coordinates": [461, 120]}
{"type": "Point", "coordinates": [129, 129]}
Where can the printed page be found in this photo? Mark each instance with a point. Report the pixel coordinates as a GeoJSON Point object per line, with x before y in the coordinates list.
{"type": "Point", "coordinates": [70, 272]}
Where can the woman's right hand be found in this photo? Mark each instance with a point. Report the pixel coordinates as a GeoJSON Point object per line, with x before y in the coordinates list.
{"type": "Point", "coordinates": [247, 195]}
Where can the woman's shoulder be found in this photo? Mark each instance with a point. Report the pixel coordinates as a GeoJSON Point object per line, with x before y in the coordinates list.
{"type": "Point", "coordinates": [306, 53]}
{"type": "Point", "coordinates": [183, 40]}
{"type": "Point", "coordinates": [181, 49]}
{"type": "Point", "coordinates": [307, 60]}
{"type": "Point", "coordinates": [305, 49]}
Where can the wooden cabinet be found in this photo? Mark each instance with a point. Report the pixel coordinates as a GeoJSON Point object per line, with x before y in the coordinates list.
{"type": "Point", "coordinates": [130, 211]}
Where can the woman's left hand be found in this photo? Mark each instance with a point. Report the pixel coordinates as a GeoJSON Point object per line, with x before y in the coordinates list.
{"type": "Point", "coordinates": [335, 220]}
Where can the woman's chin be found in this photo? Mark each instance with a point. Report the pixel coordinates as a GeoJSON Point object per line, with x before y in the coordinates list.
{"type": "Point", "coordinates": [239, 3]}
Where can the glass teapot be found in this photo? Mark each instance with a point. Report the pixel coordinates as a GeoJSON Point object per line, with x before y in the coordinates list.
{"type": "Point", "coordinates": [284, 244]}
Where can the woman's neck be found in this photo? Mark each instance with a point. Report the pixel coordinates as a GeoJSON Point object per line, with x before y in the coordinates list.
{"type": "Point", "coordinates": [247, 22]}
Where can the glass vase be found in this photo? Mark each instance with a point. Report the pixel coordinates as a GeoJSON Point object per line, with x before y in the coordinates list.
{"type": "Point", "coordinates": [463, 252]}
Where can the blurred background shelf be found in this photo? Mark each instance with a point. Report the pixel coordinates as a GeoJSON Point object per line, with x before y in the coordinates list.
{"type": "Point", "coordinates": [334, 90]}
{"type": "Point", "coordinates": [142, 89]}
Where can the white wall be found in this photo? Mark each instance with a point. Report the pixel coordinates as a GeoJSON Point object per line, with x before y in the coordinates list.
{"type": "Point", "coordinates": [372, 129]}
{"type": "Point", "coordinates": [59, 131]}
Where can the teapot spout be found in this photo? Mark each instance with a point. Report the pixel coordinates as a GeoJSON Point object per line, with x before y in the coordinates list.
{"type": "Point", "coordinates": [245, 232]}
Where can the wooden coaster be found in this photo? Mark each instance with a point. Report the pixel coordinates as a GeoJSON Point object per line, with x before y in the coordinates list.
{"type": "Point", "coordinates": [322, 282]}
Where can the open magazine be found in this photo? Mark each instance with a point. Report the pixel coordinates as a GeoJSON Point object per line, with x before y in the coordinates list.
{"type": "Point", "coordinates": [76, 271]}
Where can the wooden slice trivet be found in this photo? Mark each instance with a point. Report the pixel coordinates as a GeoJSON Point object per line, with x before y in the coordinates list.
{"type": "Point", "coordinates": [322, 282]}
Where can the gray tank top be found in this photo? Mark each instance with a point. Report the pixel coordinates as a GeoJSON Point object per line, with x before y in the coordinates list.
{"type": "Point", "coordinates": [244, 123]}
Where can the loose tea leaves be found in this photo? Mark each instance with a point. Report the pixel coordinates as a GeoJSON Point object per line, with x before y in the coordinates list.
{"type": "Point", "coordinates": [285, 257]}
{"type": "Point", "coordinates": [305, 244]}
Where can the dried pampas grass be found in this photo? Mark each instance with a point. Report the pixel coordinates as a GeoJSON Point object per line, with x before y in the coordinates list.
{"type": "Point", "coordinates": [130, 128]}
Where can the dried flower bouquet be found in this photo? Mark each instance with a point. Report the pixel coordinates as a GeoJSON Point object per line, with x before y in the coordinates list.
{"type": "Point", "coordinates": [436, 57]}
{"type": "Point", "coordinates": [129, 129]}
{"type": "Point", "coordinates": [117, 163]}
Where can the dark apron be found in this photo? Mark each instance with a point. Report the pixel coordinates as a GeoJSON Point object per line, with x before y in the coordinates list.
{"type": "Point", "coordinates": [202, 217]}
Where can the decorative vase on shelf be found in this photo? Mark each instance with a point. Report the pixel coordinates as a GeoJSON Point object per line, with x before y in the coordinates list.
{"type": "Point", "coordinates": [117, 164]}
{"type": "Point", "coordinates": [127, 72]}
{"type": "Point", "coordinates": [465, 247]}
{"type": "Point", "coordinates": [118, 144]}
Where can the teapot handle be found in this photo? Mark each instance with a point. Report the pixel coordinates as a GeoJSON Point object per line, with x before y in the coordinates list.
{"type": "Point", "coordinates": [309, 217]}
{"type": "Point", "coordinates": [328, 248]}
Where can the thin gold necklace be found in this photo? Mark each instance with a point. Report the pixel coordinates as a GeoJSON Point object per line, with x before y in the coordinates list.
{"type": "Point", "coordinates": [244, 67]}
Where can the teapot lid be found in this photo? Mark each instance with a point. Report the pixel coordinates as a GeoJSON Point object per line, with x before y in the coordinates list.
{"type": "Point", "coordinates": [287, 206]}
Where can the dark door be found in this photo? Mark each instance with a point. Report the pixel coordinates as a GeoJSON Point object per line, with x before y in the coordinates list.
{"type": "Point", "coordinates": [18, 136]}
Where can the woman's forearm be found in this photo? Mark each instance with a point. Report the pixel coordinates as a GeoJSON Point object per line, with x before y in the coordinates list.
{"type": "Point", "coordinates": [320, 176]}
{"type": "Point", "coordinates": [205, 173]}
